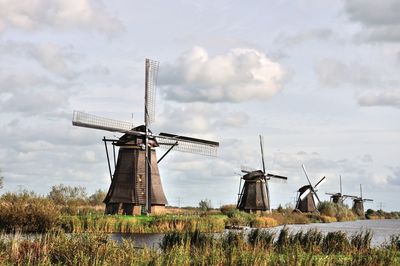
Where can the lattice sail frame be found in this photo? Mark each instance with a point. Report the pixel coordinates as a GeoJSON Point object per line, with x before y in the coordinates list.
{"type": "Point", "coordinates": [92, 121]}
{"type": "Point", "coordinates": [188, 146]}
{"type": "Point", "coordinates": [151, 70]}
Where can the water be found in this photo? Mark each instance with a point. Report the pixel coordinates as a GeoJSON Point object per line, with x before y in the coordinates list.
{"type": "Point", "coordinates": [381, 229]}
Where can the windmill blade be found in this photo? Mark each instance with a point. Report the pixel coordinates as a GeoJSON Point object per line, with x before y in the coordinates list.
{"type": "Point", "coordinates": [320, 182]}
{"type": "Point", "coordinates": [331, 194]}
{"type": "Point", "coordinates": [368, 200]}
{"type": "Point", "coordinates": [262, 152]}
{"type": "Point", "coordinates": [305, 172]}
{"type": "Point", "coordinates": [188, 144]}
{"type": "Point", "coordinates": [82, 119]}
{"type": "Point", "coordinates": [315, 194]}
{"type": "Point", "coordinates": [247, 169]}
{"type": "Point", "coordinates": [151, 72]}
{"type": "Point", "coordinates": [305, 194]}
{"type": "Point", "coordinates": [276, 180]}
{"type": "Point", "coordinates": [351, 196]}
{"type": "Point", "coordinates": [277, 177]}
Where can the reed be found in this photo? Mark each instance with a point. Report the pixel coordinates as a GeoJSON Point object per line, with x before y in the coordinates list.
{"type": "Point", "coordinates": [196, 248]}
{"type": "Point", "coordinates": [134, 224]}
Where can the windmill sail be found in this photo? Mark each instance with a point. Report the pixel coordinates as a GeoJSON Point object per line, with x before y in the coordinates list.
{"type": "Point", "coordinates": [187, 144]}
{"type": "Point", "coordinates": [82, 119]}
{"type": "Point", "coordinates": [151, 72]}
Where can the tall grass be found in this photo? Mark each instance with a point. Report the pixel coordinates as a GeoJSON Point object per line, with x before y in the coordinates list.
{"type": "Point", "coordinates": [196, 248]}
{"type": "Point", "coordinates": [152, 224]}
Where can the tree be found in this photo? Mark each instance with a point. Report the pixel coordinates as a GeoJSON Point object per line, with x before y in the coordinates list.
{"type": "Point", "coordinates": [98, 197]}
{"type": "Point", "coordinates": [67, 195]}
{"type": "Point", "coordinates": [205, 205]}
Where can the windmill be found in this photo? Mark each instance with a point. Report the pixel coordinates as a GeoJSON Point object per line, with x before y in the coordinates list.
{"type": "Point", "coordinates": [338, 197]}
{"type": "Point", "coordinates": [254, 196]}
{"type": "Point", "coordinates": [306, 194]}
{"type": "Point", "coordinates": [358, 203]}
{"type": "Point", "coordinates": [136, 185]}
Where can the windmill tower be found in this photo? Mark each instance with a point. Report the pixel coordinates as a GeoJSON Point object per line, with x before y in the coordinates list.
{"type": "Point", "coordinates": [358, 203]}
{"type": "Point", "coordinates": [136, 185]}
{"type": "Point", "coordinates": [254, 196]}
{"type": "Point", "coordinates": [338, 197]}
{"type": "Point", "coordinates": [306, 194]}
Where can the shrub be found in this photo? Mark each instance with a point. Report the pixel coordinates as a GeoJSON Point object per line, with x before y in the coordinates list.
{"type": "Point", "coordinates": [228, 209]}
{"type": "Point", "coordinates": [264, 222]}
{"type": "Point", "coordinates": [27, 212]}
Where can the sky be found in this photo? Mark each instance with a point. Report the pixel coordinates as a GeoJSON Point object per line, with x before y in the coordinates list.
{"type": "Point", "coordinates": [318, 79]}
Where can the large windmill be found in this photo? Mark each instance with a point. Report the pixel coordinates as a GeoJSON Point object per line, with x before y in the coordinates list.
{"type": "Point", "coordinates": [358, 203]}
{"type": "Point", "coordinates": [254, 196]}
{"type": "Point", "coordinates": [306, 194]}
{"type": "Point", "coordinates": [338, 197]}
{"type": "Point", "coordinates": [136, 185]}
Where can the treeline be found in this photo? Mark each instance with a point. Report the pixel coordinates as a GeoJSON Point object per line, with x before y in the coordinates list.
{"type": "Point", "coordinates": [380, 214]}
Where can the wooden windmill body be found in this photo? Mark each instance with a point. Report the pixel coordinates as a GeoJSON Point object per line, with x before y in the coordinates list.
{"type": "Point", "coordinates": [307, 204]}
{"type": "Point", "coordinates": [136, 184]}
{"type": "Point", "coordinates": [358, 203]}
{"type": "Point", "coordinates": [254, 195]}
{"type": "Point", "coordinates": [338, 197]}
{"type": "Point", "coordinates": [306, 194]}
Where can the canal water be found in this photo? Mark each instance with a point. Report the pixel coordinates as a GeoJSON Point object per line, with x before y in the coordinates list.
{"type": "Point", "coordinates": [381, 230]}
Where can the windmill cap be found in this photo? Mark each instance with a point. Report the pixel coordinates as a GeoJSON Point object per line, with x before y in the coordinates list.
{"type": "Point", "coordinates": [254, 175]}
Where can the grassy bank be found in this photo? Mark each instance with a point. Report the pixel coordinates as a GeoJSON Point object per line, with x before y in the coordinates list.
{"type": "Point", "coordinates": [29, 213]}
{"type": "Point", "coordinates": [142, 224]}
{"type": "Point", "coordinates": [195, 248]}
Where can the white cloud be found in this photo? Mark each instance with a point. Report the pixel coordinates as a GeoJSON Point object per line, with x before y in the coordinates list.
{"type": "Point", "coordinates": [200, 119]}
{"type": "Point", "coordinates": [240, 75]}
{"type": "Point", "coordinates": [62, 14]}
{"type": "Point", "coordinates": [380, 98]}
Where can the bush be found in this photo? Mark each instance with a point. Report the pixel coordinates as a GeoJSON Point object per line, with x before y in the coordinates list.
{"type": "Point", "coordinates": [264, 222]}
{"type": "Point", "coordinates": [27, 212]}
{"type": "Point", "coordinates": [228, 209]}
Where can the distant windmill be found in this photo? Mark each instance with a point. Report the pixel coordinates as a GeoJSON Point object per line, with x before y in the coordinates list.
{"type": "Point", "coordinates": [254, 196]}
{"type": "Point", "coordinates": [358, 203]}
{"type": "Point", "coordinates": [136, 185]}
{"type": "Point", "coordinates": [306, 194]}
{"type": "Point", "coordinates": [338, 197]}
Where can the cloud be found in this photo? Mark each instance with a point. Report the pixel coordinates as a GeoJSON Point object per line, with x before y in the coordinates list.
{"type": "Point", "coordinates": [380, 19]}
{"type": "Point", "coordinates": [333, 73]}
{"type": "Point", "coordinates": [322, 34]}
{"type": "Point", "coordinates": [54, 59]}
{"type": "Point", "coordinates": [199, 119]}
{"type": "Point", "coordinates": [380, 98]}
{"type": "Point", "coordinates": [63, 14]}
{"type": "Point", "coordinates": [394, 177]}
{"type": "Point", "coordinates": [237, 76]}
